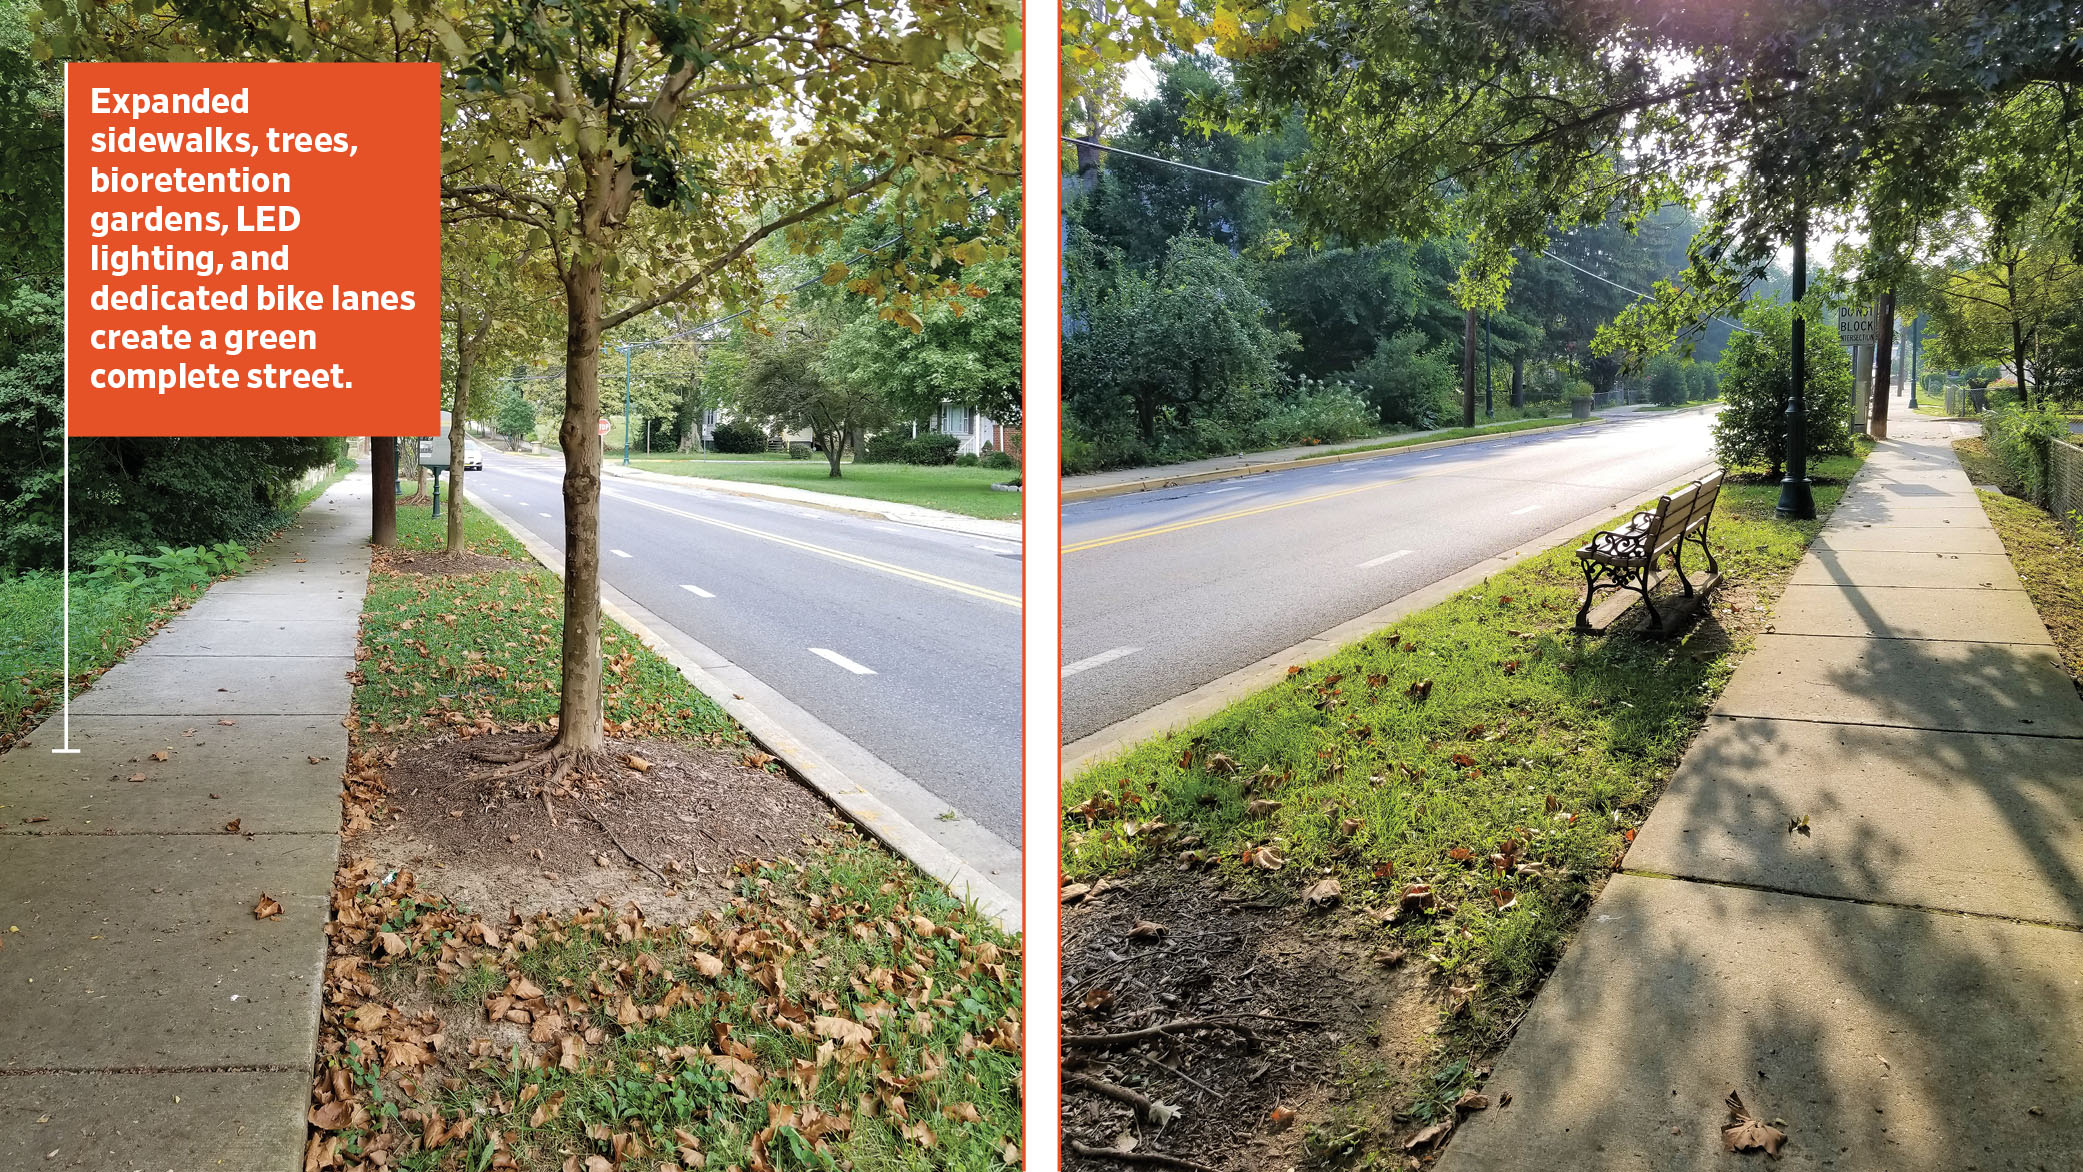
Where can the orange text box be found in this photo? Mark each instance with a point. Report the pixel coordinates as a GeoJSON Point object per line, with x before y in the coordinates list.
{"type": "Point", "coordinates": [253, 249]}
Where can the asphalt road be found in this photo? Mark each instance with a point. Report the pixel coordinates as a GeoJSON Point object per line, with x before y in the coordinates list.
{"type": "Point", "coordinates": [904, 639]}
{"type": "Point", "coordinates": [1164, 591]}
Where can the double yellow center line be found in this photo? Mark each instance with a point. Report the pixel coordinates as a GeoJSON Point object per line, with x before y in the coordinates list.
{"type": "Point", "coordinates": [1176, 526]}
{"type": "Point", "coordinates": [866, 563]}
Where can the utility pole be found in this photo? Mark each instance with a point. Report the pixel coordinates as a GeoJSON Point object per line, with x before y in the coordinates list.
{"type": "Point", "coordinates": [1796, 498]}
{"type": "Point", "coordinates": [1468, 369]}
{"type": "Point", "coordinates": [626, 359]}
{"type": "Point", "coordinates": [1916, 355]}
{"type": "Point", "coordinates": [383, 477]}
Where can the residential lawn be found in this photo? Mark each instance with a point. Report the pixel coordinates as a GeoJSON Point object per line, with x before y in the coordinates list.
{"type": "Point", "coordinates": [2048, 560]}
{"type": "Point", "coordinates": [1476, 769]}
{"type": "Point", "coordinates": [838, 1010]}
{"type": "Point", "coordinates": [956, 490]}
{"type": "Point", "coordinates": [106, 624]}
{"type": "Point", "coordinates": [445, 651]}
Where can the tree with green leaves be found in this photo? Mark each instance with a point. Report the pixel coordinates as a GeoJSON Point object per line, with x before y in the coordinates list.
{"type": "Point", "coordinates": [1156, 347]}
{"type": "Point", "coordinates": [647, 148]}
{"type": "Point", "coordinates": [786, 380]}
{"type": "Point", "coordinates": [1756, 381]}
{"type": "Point", "coordinates": [513, 415]}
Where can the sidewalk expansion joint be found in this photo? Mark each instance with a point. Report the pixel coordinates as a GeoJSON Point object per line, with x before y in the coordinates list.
{"type": "Point", "coordinates": [1971, 732]}
{"type": "Point", "coordinates": [1769, 889]}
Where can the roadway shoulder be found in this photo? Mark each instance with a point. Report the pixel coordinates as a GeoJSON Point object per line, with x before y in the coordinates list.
{"type": "Point", "coordinates": [892, 511]}
{"type": "Point", "coordinates": [1161, 480]}
{"type": "Point", "coordinates": [968, 878]}
{"type": "Point", "coordinates": [1215, 695]}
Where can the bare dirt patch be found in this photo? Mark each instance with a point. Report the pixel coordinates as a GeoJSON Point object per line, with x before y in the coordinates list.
{"type": "Point", "coordinates": [664, 837]}
{"type": "Point", "coordinates": [1314, 1044]}
{"type": "Point", "coordinates": [405, 561]}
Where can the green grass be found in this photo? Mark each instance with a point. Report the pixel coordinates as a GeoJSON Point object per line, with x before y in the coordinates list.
{"type": "Point", "coordinates": [106, 624]}
{"type": "Point", "coordinates": [2049, 561]}
{"type": "Point", "coordinates": [1478, 732]}
{"type": "Point", "coordinates": [956, 490]}
{"type": "Point", "coordinates": [448, 650]}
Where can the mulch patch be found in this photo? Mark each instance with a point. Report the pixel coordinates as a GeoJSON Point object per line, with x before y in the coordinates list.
{"type": "Point", "coordinates": [1316, 1035]}
{"type": "Point", "coordinates": [665, 836]}
{"type": "Point", "coordinates": [405, 561]}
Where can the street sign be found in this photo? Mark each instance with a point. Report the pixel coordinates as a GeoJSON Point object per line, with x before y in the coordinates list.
{"type": "Point", "coordinates": [433, 453]}
{"type": "Point", "coordinates": [606, 427]}
{"type": "Point", "coordinates": [1858, 328]}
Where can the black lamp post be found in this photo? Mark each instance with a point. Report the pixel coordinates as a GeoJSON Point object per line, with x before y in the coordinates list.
{"type": "Point", "coordinates": [1796, 497]}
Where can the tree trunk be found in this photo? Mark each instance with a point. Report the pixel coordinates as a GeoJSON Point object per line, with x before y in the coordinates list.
{"type": "Point", "coordinates": [456, 459]}
{"type": "Point", "coordinates": [1883, 355]}
{"type": "Point", "coordinates": [579, 711]}
{"type": "Point", "coordinates": [1468, 371]}
{"type": "Point", "coordinates": [835, 449]}
{"type": "Point", "coordinates": [1519, 381]}
{"type": "Point", "coordinates": [2018, 360]}
{"type": "Point", "coordinates": [383, 475]}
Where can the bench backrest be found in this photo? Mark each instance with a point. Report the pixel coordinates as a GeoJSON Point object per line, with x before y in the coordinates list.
{"type": "Point", "coordinates": [1683, 512]}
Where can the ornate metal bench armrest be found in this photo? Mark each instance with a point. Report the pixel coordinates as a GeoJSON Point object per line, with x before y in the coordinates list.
{"type": "Point", "coordinates": [1630, 540]}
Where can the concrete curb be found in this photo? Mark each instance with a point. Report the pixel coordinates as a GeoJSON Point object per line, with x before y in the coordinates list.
{"type": "Point", "coordinates": [1151, 483]}
{"type": "Point", "coordinates": [891, 511]}
{"type": "Point", "coordinates": [1214, 696]}
{"type": "Point", "coordinates": [855, 800]}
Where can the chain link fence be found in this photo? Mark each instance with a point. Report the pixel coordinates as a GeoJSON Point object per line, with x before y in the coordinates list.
{"type": "Point", "coordinates": [2065, 486]}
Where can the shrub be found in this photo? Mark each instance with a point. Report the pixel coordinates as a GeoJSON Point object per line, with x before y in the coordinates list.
{"type": "Point", "coordinates": [933, 448]}
{"type": "Point", "coordinates": [178, 569]}
{"type": "Point", "coordinates": [740, 439]}
{"type": "Point", "coordinates": [1757, 380]}
{"type": "Point", "coordinates": [1317, 413]}
{"type": "Point", "coordinates": [2021, 438]}
{"type": "Point", "coordinates": [1407, 384]}
{"type": "Point", "coordinates": [966, 460]}
{"type": "Point", "coordinates": [885, 447]}
{"type": "Point", "coordinates": [799, 451]}
{"type": "Point", "coordinates": [1666, 381]}
{"type": "Point", "coordinates": [1000, 460]}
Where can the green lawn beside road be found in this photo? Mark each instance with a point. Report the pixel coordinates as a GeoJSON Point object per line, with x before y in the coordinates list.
{"type": "Point", "coordinates": [1469, 773]}
{"type": "Point", "coordinates": [952, 489]}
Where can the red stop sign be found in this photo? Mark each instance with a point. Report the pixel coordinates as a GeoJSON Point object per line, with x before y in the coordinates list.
{"type": "Point", "coordinates": [606, 427]}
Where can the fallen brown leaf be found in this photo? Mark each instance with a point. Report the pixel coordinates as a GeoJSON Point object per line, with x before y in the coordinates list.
{"type": "Point", "coordinates": [1145, 930]}
{"type": "Point", "coordinates": [1745, 1132]}
{"type": "Point", "coordinates": [266, 908]}
{"type": "Point", "coordinates": [1321, 894]}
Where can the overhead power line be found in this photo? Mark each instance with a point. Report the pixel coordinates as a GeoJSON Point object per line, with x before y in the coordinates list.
{"type": "Point", "coordinates": [1268, 183]}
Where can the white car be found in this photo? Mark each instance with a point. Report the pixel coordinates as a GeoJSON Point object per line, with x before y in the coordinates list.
{"type": "Point", "coordinates": [473, 457]}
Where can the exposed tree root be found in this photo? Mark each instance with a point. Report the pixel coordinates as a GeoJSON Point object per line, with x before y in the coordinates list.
{"type": "Point", "coordinates": [1151, 1033]}
{"type": "Point", "coordinates": [550, 761]}
{"type": "Point", "coordinates": [1157, 1158]}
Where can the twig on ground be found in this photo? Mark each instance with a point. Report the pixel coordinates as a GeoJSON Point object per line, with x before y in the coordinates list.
{"type": "Point", "coordinates": [1114, 1091]}
{"type": "Point", "coordinates": [1158, 1158]}
{"type": "Point", "coordinates": [1131, 1037]}
{"type": "Point", "coordinates": [1179, 1074]}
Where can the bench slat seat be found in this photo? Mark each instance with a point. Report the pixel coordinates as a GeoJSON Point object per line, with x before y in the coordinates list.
{"type": "Point", "coordinates": [1627, 557]}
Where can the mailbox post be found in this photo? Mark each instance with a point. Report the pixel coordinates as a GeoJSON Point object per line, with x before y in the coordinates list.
{"type": "Point", "coordinates": [433, 457]}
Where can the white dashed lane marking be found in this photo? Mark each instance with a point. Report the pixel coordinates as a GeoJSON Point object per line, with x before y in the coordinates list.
{"type": "Point", "coordinates": [842, 661]}
{"type": "Point", "coordinates": [697, 591]}
{"type": "Point", "coordinates": [1090, 662]}
{"type": "Point", "coordinates": [1387, 557]}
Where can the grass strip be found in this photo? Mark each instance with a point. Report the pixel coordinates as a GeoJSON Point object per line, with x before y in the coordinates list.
{"type": "Point", "coordinates": [949, 488]}
{"type": "Point", "coordinates": [2049, 562]}
{"type": "Point", "coordinates": [1471, 773]}
{"type": "Point", "coordinates": [842, 1010]}
{"type": "Point", "coordinates": [449, 651]}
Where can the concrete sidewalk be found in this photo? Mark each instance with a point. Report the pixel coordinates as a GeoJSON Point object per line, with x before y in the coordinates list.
{"type": "Point", "coordinates": [148, 1020]}
{"type": "Point", "coordinates": [1901, 986]}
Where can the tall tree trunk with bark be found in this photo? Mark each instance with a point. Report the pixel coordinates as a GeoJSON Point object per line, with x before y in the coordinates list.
{"type": "Point", "coordinates": [383, 476]}
{"type": "Point", "coordinates": [579, 713]}
{"type": "Point", "coordinates": [1883, 355]}
{"type": "Point", "coordinates": [1468, 371]}
{"type": "Point", "coordinates": [1519, 380]}
{"type": "Point", "coordinates": [465, 347]}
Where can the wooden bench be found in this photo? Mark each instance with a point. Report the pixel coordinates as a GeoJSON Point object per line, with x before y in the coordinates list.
{"type": "Point", "coordinates": [1627, 558]}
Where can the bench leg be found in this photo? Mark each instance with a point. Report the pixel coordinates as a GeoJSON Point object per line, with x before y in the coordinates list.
{"type": "Point", "coordinates": [1713, 566]}
{"type": "Point", "coordinates": [1591, 575]}
{"type": "Point", "coordinates": [1678, 564]}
